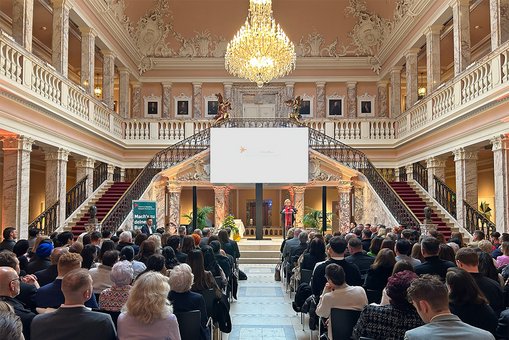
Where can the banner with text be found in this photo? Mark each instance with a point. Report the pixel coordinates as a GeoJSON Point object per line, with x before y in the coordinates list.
{"type": "Point", "coordinates": [143, 210]}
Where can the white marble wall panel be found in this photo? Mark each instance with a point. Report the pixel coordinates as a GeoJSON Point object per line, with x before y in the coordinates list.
{"type": "Point", "coordinates": [499, 22]}
{"type": "Point", "coordinates": [85, 167]}
{"type": "Point", "coordinates": [461, 34]}
{"type": "Point", "coordinates": [22, 22]}
{"type": "Point", "coordinates": [396, 91]}
{"type": "Point", "coordinates": [166, 100]}
{"type": "Point", "coordinates": [16, 183]}
{"type": "Point", "coordinates": [108, 77]}
{"type": "Point", "coordinates": [160, 198]}
{"type": "Point", "coordinates": [359, 203]}
{"type": "Point", "coordinates": [227, 90]}
{"type": "Point", "coordinates": [123, 94]}
{"type": "Point", "coordinates": [466, 181]}
{"type": "Point", "coordinates": [298, 192]}
{"type": "Point", "coordinates": [197, 100]}
{"type": "Point", "coordinates": [60, 38]}
{"type": "Point", "coordinates": [87, 58]}
{"type": "Point", "coordinates": [374, 209]}
{"type": "Point", "coordinates": [501, 180]}
{"type": "Point", "coordinates": [433, 57]}
{"type": "Point", "coordinates": [56, 179]}
{"type": "Point", "coordinates": [320, 100]}
{"type": "Point", "coordinates": [351, 99]}
{"type": "Point", "coordinates": [411, 77]}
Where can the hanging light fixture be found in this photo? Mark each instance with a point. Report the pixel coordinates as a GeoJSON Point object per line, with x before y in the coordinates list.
{"type": "Point", "coordinates": [97, 89]}
{"type": "Point", "coordinates": [260, 51]}
{"type": "Point", "coordinates": [421, 91]}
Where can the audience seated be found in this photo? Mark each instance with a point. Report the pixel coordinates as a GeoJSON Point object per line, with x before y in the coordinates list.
{"type": "Point", "coordinates": [126, 239]}
{"type": "Point", "coordinates": [114, 298]}
{"type": "Point", "coordinates": [359, 257]}
{"type": "Point", "coordinates": [468, 302]}
{"type": "Point", "coordinates": [9, 235]}
{"type": "Point", "coordinates": [28, 284]}
{"type": "Point", "coordinates": [390, 322]}
{"type": "Point", "coordinates": [183, 299]}
{"type": "Point", "coordinates": [430, 247]}
{"type": "Point", "coordinates": [487, 269]}
{"type": "Point", "coordinates": [89, 255]}
{"type": "Point", "coordinates": [430, 297]}
{"type": "Point", "coordinates": [10, 326]}
{"type": "Point", "coordinates": [366, 239]}
{"type": "Point", "coordinates": [228, 245]}
{"type": "Point", "coordinates": [127, 254]}
{"type": "Point", "coordinates": [72, 320]}
{"type": "Point", "coordinates": [403, 249]}
{"type": "Point", "coordinates": [503, 260]}
{"type": "Point", "coordinates": [336, 250]}
{"type": "Point", "coordinates": [380, 270]}
{"type": "Point", "coordinates": [41, 259]}
{"type": "Point", "coordinates": [49, 274]}
{"type": "Point", "coordinates": [170, 257]}
{"type": "Point", "coordinates": [314, 255]}
{"type": "Point", "coordinates": [50, 295]}
{"type": "Point", "coordinates": [101, 274]}
{"type": "Point", "coordinates": [467, 259]}
{"type": "Point", "coordinates": [295, 253]}
{"type": "Point", "coordinates": [9, 290]}
{"type": "Point", "coordinates": [223, 261]}
{"type": "Point", "coordinates": [203, 279]}
{"type": "Point", "coordinates": [502, 331]}
{"type": "Point", "coordinates": [148, 313]}
{"type": "Point", "coordinates": [21, 249]}
{"type": "Point", "coordinates": [338, 294]}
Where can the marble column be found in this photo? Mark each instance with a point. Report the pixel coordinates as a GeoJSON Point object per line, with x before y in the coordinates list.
{"type": "Point", "coordinates": [409, 172]}
{"type": "Point", "coordinates": [221, 198]}
{"type": "Point", "coordinates": [291, 193]}
{"type": "Point", "coordinates": [345, 207]}
{"type": "Point", "coordinates": [136, 100]}
{"type": "Point", "coordinates": [85, 167]}
{"type": "Point", "coordinates": [351, 99]}
{"type": "Point", "coordinates": [56, 178]}
{"type": "Point", "coordinates": [160, 198]}
{"type": "Point", "coordinates": [289, 94]}
{"type": "Point", "coordinates": [174, 207]}
{"type": "Point", "coordinates": [382, 109]}
{"type": "Point", "coordinates": [60, 38]}
{"type": "Point", "coordinates": [22, 22]}
{"type": "Point", "coordinates": [123, 93]}
{"type": "Point", "coordinates": [227, 90]}
{"type": "Point", "coordinates": [16, 183]}
{"type": "Point", "coordinates": [396, 91]}
{"type": "Point", "coordinates": [433, 57]}
{"type": "Point", "coordinates": [108, 77]}
{"type": "Point", "coordinates": [499, 22]}
{"type": "Point", "coordinates": [359, 203]}
{"type": "Point", "coordinates": [87, 58]}
{"type": "Point", "coordinates": [461, 34]}
{"type": "Point", "coordinates": [110, 172]}
{"type": "Point", "coordinates": [436, 168]}
{"type": "Point", "coordinates": [197, 101]}
{"type": "Point", "coordinates": [299, 204]}
{"type": "Point", "coordinates": [501, 180]}
{"type": "Point", "coordinates": [412, 80]}
{"type": "Point", "coordinates": [466, 181]}
{"type": "Point", "coordinates": [122, 174]}
{"type": "Point", "coordinates": [166, 100]}
{"type": "Point", "coordinates": [320, 100]}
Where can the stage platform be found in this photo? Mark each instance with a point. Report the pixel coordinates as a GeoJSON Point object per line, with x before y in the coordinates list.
{"type": "Point", "coordinates": [260, 251]}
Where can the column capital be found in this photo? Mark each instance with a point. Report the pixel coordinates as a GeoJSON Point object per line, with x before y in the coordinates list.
{"type": "Point", "coordinates": [136, 84]}
{"type": "Point", "coordinates": [298, 189]}
{"type": "Point", "coordinates": [433, 29]}
{"type": "Point", "coordinates": [17, 143]}
{"type": "Point", "coordinates": [290, 84]}
{"type": "Point", "coordinates": [382, 83]}
{"type": "Point", "coordinates": [463, 154]}
{"type": "Point", "coordinates": [85, 30]}
{"type": "Point", "coordinates": [86, 162]}
{"type": "Point", "coordinates": [123, 69]}
{"type": "Point", "coordinates": [220, 189]}
{"type": "Point", "coordinates": [500, 142]}
{"type": "Point", "coordinates": [166, 84]}
{"type": "Point", "coordinates": [197, 84]}
{"type": "Point", "coordinates": [56, 155]}
{"type": "Point", "coordinates": [108, 53]}
{"type": "Point", "coordinates": [111, 168]}
{"type": "Point", "coordinates": [344, 186]}
{"type": "Point", "coordinates": [435, 162]}
{"type": "Point", "coordinates": [351, 84]}
{"type": "Point", "coordinates": [174, 188]}
{"type": "Point", "coordinates": [320, 83]}
{"type": "Point", "coordinates": [412, 52]}
{"type": "Point", "coordinates": [396, 69]}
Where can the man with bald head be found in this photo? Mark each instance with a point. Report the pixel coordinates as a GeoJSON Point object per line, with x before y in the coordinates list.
{"type": "Point", "coordinates": [9, 289]}
{"type": "Point", "coordinates": [49, 274]}
{"type": "Point", "coordinates": [86, 325]}
{"type": "Point", "coordinates": [28, 285]}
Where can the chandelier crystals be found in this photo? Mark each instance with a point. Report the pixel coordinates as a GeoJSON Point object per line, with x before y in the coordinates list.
{"type": "Point", "coordinates": [260, 51]}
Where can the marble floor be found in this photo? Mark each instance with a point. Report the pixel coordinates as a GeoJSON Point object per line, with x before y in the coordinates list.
{"type": "Point", "coordinates": [263, 310]}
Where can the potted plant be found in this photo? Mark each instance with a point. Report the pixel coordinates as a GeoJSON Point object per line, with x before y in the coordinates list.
{"type": "Point", "coordinates": [230, 223]}
{"type": "Point", "coordinates": [313, 219]}
{"type": "Point", "coordinates": [201, 217]}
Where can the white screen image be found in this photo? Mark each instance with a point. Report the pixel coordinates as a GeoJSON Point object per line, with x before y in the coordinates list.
{"type": "Point", "coordinates": [259, 155]}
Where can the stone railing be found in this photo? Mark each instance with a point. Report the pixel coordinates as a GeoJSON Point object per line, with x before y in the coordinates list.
{"type": "Point", "coordinates": [23, 71]}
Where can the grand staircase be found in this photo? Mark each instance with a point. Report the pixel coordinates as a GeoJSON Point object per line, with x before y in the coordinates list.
{"type": "Point", "coordinates": [103, 204]}
{"type": "Point", "coordinates": [417, 204]}
{"type": "Point", "coordinates": [264, 251]}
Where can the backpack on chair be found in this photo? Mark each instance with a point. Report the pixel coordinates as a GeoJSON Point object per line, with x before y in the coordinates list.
{"type": "Point", "coordinates": [303, 292]}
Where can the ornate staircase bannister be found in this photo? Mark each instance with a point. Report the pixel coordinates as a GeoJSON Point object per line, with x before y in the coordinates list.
{"type": "Point", "coordinates": [75, 196]}
{"type": "Point", "coordinates": [420, 174]}
{"type": "Point", "coordinates": [100, 174]}
{"type": "Point", "coordinates": [445, 196]}
{"type": "Point", "coordinates": [402, 177]}
{"type": "Point", "coordinates": [46, 222]}
{"type": "Point", "coordinates": [475, 220]}
{"type": "Point", "coordinates": [164, 159]}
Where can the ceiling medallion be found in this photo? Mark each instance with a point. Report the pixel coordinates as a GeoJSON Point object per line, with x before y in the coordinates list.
{"type": "Point", "coordinates": [260, 51]}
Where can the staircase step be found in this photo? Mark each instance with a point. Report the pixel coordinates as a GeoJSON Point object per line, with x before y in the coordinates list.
{"type": "Point", "coordinates": [261, 260]}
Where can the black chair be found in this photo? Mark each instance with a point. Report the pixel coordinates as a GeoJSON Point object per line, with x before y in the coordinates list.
{"type": "Point", "coordinates": [114, 315]}
{"type": "Point", "coordinates": [305, 275]}
{"type": "Point", "coordinates": [342, 322]}
{"type": "Point", "coordinates": [189, 324]}
{"type": "Point", "coordinates": [374, 296]}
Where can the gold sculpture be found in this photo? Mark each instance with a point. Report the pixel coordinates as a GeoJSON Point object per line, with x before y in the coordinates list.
{"type": "Point", "coordinates": [295, 105]}
{"type": "Point", "coordinates": [223, 108]}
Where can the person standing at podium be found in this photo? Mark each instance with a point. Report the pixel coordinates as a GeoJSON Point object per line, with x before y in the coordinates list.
{"type": "Point", "coordinates": [288, 215]}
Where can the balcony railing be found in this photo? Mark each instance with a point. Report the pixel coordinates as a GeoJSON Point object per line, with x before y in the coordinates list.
{"type": "Point", "coordinates": [46, 222]}
{"type": "Point", "coordinates": [420, 174]}
{"type": "Point", "coordinates": [445, 196]}
{"type": "Point", "coordinates": [75, 196]}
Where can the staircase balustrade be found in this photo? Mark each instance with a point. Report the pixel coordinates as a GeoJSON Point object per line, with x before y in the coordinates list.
{"type": "Point", "coordinates": [75, 196]}
{"type": "Point", "coordinates": [475, 220]}
{"type": "Point", "coordinates": [100, 174]}
{"type": "Point", "coordinates": [46, 222]}
{"type": "Point", "coordinates": [420, 174]}
{"type": "Point", "coordinates": [402, 177]}
{"type": "Point", "coordinates": [445, 196]}
{"type": "Point", "coordinates": [117, 175]}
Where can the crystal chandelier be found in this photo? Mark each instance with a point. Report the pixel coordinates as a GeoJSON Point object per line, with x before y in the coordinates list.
{"type": "Point", "coordinates": [260, 51]}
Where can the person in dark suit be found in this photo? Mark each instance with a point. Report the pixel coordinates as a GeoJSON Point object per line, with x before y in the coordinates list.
{"type": "Point", "coordinates": [336, 252]}
{"type": "Point", "coordinates": [430, 247]}
{"type": "Point", "coordinates": [49, 274]}
{"type": "Point", "coordinates": [183, 299]}
{"type": "Point", "coordinates": [366, 239]}
{"type": "Point", "coordinates": [358, 256]}
{"type": "Point", "coordinates": [9, 289]}
{"type": "Point", "coordinates": [50, 295]}
{"type": "Point", "coordinates": [503, 325]}
{"type": "Point", "coordinates": [147, 228]}
{"type": "Point", "coordinates": [28, 285]}
{"type": "Point", "coordinates": [77, 288]}
{"type": "Point", "coordinates": [431, 299]}
{"type": "Point", "coordinates": [9, 239]}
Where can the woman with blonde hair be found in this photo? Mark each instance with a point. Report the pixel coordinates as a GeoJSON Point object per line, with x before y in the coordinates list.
{"type": "Point", "coordinates": [148, 313]}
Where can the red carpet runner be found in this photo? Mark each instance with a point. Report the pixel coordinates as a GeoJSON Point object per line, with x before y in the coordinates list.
{"type": "Point", "coordinates": [416, 204]}
{"type": "Point", "coordinates": [104, 204]}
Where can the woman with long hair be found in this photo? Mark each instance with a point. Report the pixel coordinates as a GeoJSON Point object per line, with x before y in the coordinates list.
{"type": "Point", "coordinates": [468, 302]}
{"type": "Point", "coordinates": [170, 257]}
{"type": "Point", "coordinates": [89, 255]}
{"type": "Point", "coordinates": [380, 270]}
{"type": "Point", "coordinates": [147, 249]}
{"type": "Point", "coordinates": [148, 313]}
{"type": "Point", "coordinates": [315, 254]}
{"type": "Point", "coordinates": [203, 279]}
{"type": "Point", "coordinates": [376, 245]}
{"type": "Point", "coordinates": [487, 268]}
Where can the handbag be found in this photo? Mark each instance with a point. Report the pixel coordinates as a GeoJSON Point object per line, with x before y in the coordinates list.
{"type": "Point", "coordinates": [277, 272]}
